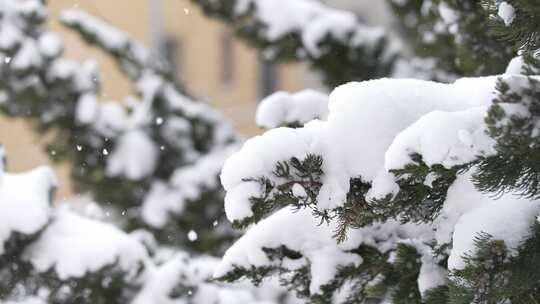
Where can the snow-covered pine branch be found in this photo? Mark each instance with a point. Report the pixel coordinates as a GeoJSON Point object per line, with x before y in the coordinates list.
{"type": "Point", "coordinates": [391, 155]}
{"type": "Point", "coordinates": [55, 255]}
{"type": "Point", "coordinates": [458, 162]}
{"type": "Point", "coordinates": [437, 33]}
{"type": "Point", "coordinates": [307, 259]}
{"type": "Point", "coordinates": [120, 152]}
{"type": "Point", "coordinates": [515, 21]}
{"type": "Point", "coordinates": [377, 113]}
{"type": "Point", "coordinates": [333, 42]}
{"type": "Point", "coordinates": [452, 35]}
{"type": "Point", "coordinates": [132, 56]}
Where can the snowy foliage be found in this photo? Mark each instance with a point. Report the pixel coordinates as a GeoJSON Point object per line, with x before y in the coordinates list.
{"type": "Point", "coordinates": [55, 255]}
{"type": "Point", "coordinates": [312, 21]}
{"type": "Point", "coordinates": [364, 107]}
{"type": "Point", "coordinates": [453, 34]}
{"type": "Point", "coordinates": [334, 42]}
{"type": "Point", "coordinates": [396, 171]}
{"type": "Point", "coordinates": [24, 212]}
{"type": "Point", "coordinates": [447, 38]}
{"type": "Point", "coordinates": [387, 191]}
{"type": "Point", "coordinates": [86, 246]}
{"type": "Point", "coordinates": [515, 21]}
{"type": "Point", "coordinates": [120, 151]}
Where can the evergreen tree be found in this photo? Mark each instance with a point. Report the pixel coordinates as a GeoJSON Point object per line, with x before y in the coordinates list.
{"type": "Point", "coordinates": [333, 42]}
{"type": "Point", "coordinates": [447, 38]}
{"type": "Point", "coordinates": [386, 191]}
{"type": "Point", "coordinates": [124, 156]}
{"type": "Point", "coordinates": [405, 191]}
{"type": "Point", "coordinates": [452, 33]}
{"type": "Point", "coordinates": [142, 161]}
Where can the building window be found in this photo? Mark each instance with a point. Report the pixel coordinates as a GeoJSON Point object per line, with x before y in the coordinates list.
{"type": "Point", "coordinates": [268, 77]}
{"type": "Point", "coordinates": [227, 59]}
{"type": "Point", "coordinates": [171, 48]}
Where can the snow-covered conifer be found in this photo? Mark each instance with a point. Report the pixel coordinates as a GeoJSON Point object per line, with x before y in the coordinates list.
{"type": "Point", "coordinates": [405, 191]}
{"type": "Point", "coordinates": [152, 163]}
{"type": "Point", "coordinates": [122, 153]}
{"type": "Point", "coordinates": [333, 42]}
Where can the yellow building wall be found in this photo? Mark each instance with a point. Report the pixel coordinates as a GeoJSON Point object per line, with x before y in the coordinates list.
{"type": "Point", "coordinates": [201, 64]}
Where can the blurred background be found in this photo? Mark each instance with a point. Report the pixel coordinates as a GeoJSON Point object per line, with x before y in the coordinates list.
{"type": "Point", "coordinates": [210, 61]}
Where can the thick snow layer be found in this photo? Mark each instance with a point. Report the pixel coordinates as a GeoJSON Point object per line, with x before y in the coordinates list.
{"type": "Point", "coordinates": [282, 108]}
{"type": "Point", "coordinates": [25, 201]}
{"type": "Point", "coordinates": [134, 156]}
{"type": "Point", "coordinates": [73, 246]}
{"type": "Point", "coordinates": [364, 119]}
{"type": "Point", "coordinates": [312, 20]}
{"type": "Point", "coordinates": [508, 218]}
{"type": "Point", "coordinates": [298, 231]}
{"type": "Point", "coordinates": [372, 128]}
{"type": "Point", "coordinates": [301, 232]}
{"type": "Point", "coordinates": [507, 13]}
{"type": "Point", "coordinates": [446, 138]}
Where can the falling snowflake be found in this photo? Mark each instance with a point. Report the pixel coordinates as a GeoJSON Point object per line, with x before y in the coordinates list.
{"type": "Point", "coordinates": [192, 236]}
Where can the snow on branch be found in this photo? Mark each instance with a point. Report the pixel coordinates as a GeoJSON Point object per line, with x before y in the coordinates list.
{"type": "Point", "coordinates": [53, 254]}
{"type": "Point", "coordinates": [119, 150]}
{"type": "Point", "coordinates": [374, 111]}
{"type": "Point", "coordinates": [76, 246]}
{"type": "Point", "coordinates": [312, 31]}
{"type": "Point", "coordinates": [311, 20]}
{"type": "Point", "coordinates": [132, 55]}
{"type": "Point", "coordinates": [303, 244]}
{"type": "Point", "coordinates": [25, 202]}
{"type": "Point", "coordinates": [403, 154]}
{"type": "Point", "coordinates": [284, 109]}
